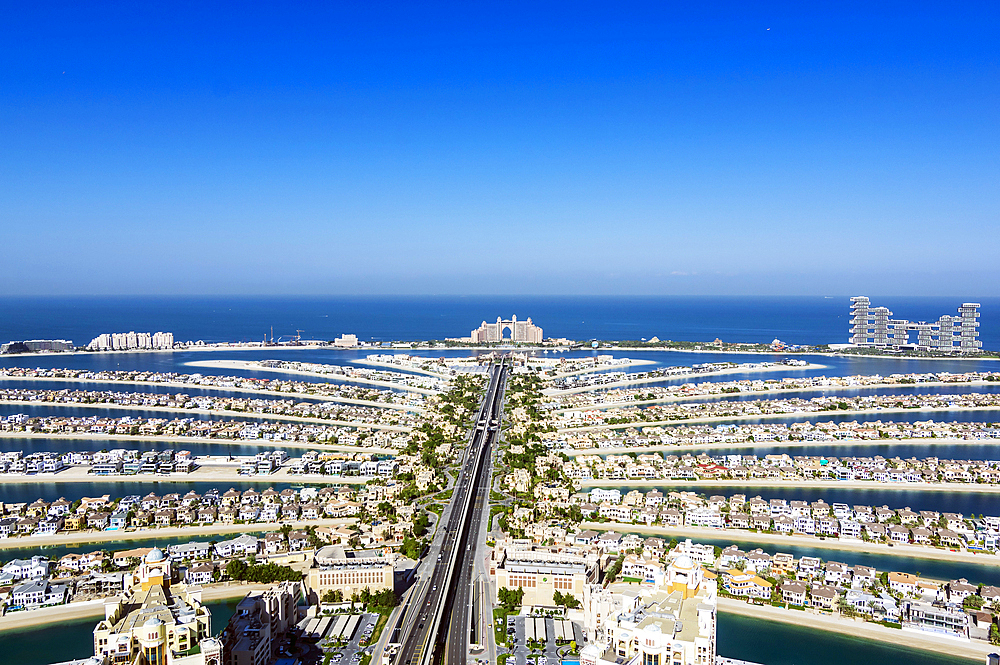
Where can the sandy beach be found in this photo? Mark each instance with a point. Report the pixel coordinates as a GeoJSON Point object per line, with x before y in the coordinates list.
{"type": "Point", "coordinates": [604, 368]}
{"type": "Point", "coordinates": [84, 538]}
{"type": "Point", "coordinates": [403, 369]}
{"type": "Point", "coordinates": [773, 391]}
{"type": "Point", "coordinates": [258, 443]}
{"type": "Point", "coordinates": [701, 447]}
{"type": "Point", "coordinates": [553, 392]}
{"type": "Point", "coordinates": [951, 646]}
{"type": "Point", "coordinates": [251, 391]}
{"type": "Point", "coordinates": [740, 535]}
{"type": "Point", "coordinates": [205, 412]}
{"type": "Point", "coordinates": [772, 416]}
{"type": "Point", "coordinates": [95, 608]}
{"type": "Point", "coordinates": [255, 367]}
{"type": "Point", "coordinates": [220, 473]}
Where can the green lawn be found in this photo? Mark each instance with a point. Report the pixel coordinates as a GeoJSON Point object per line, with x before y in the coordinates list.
{"type": "Point", "coordinates": [500, 625]}
{"type": "Point", "coordinates": [379, 625]}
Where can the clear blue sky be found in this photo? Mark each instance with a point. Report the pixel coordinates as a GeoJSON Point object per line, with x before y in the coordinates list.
{"type": "Point", "coordinates": [500, 148]}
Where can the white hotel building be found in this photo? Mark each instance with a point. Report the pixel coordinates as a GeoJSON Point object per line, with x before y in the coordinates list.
{"type": "Point", "coordinates": [873, 327]}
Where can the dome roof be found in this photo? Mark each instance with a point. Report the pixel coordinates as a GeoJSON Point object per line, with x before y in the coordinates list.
{"type": "Point", "coordinates": [683, 561]}
{"type": "Point", "coordinates": [155, 555]}
{"type": "Point", "coordinates": [153, 621]}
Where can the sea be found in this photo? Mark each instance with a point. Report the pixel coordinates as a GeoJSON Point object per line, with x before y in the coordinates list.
{"type": "Point", "coordinates": [793, 320]}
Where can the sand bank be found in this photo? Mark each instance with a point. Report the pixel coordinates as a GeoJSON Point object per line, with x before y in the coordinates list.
{"type": "Point", "coordinates": [632, 362]}
{"type": "Point", "coordinates": [256, 367]}
{"type": "Point", "coordinates": [404, 369]}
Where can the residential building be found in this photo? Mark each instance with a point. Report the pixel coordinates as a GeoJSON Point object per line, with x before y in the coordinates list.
{"type": "Point", "coordinates": [261, 619]}
{"type": "Point", "coordinates": [154, 625]}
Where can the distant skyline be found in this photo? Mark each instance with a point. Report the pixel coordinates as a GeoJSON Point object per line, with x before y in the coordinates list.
{"type": "Point", "coordinates": [508, 148]}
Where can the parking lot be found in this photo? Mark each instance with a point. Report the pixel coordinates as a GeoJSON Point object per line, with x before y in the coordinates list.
{"type": "Point", "coordinates": [352, 651]}
{"type": "Point", "coordinates": [522, 654]}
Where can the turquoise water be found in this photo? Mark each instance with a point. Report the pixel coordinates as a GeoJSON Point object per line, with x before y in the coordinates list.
{"type": "Point", "coordinates": [75, 639]}
{"type": "Point", "coordinates": [774, 643]}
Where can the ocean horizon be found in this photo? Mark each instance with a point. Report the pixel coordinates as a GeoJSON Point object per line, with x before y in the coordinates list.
{"type": "Point", "coordinates": [793, 319]}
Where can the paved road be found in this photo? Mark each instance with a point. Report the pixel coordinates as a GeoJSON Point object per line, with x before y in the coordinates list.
{"type": "Point", "coordinates": [426, 620]}
{"type": "Point", "coordinates": [465, 588]}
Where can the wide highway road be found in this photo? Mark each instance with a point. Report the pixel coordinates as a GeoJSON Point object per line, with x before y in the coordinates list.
{"type": "Point", "coordinates": [428, 619]}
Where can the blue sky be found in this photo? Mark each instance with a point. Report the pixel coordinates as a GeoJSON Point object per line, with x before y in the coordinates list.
{"type": "Point", "coordinates": [500, 148]}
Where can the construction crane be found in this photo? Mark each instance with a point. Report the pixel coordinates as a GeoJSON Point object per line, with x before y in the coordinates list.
{"type": "Point", "coordinates": [298, 336]}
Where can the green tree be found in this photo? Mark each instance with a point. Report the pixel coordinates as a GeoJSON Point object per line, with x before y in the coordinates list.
{"type": "Point", "coordinates": [569, 601]}
{"type": "Point", "coordinates": [973, 602]}
{"type": "Point", "coordinates": [511, 598]}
